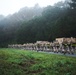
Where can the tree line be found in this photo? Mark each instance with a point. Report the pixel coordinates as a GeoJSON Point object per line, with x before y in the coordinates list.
{"type": "Point", "coordinates": [55, 21]}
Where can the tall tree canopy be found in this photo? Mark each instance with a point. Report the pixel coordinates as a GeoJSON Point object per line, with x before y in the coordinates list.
{"type": "Point", "coordinates": [55, 21]}
{"type": "Point", "coordinates": [73, 4]}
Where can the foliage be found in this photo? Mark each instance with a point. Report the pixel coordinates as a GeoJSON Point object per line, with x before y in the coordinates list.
{"type": "Point", "coordinates": [55, 21]}
{"type": "Point", "coordinates": [73, 4]}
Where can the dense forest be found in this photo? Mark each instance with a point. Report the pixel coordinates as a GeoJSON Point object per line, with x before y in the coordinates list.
{"type": "Point", "coordinates": [36, 23]}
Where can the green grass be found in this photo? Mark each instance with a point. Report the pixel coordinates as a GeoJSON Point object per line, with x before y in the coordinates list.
{"type": "Point", "coordinates": [23, 62]}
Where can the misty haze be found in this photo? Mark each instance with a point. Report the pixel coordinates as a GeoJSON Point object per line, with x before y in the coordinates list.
{"type": "Point", "coordinates": [37, 37]}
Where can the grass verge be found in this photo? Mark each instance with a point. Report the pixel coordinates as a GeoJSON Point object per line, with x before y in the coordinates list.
{"type": "Point", "coordinates": [23, 62]}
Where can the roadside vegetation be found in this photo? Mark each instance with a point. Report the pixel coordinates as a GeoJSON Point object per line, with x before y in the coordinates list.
{"type": "Point", "coordinates": [23, 62]}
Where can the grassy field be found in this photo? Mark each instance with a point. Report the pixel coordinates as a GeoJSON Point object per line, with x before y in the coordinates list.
{"type": "Point", "coordinates": [22, 62]}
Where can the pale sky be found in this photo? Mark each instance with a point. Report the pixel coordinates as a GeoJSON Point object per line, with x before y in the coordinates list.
{"type": "Point", "coordinates": [12, 6]}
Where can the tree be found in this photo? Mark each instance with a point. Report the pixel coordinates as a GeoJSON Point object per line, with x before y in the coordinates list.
{"type": "Point", "coordinates": [73, 4]}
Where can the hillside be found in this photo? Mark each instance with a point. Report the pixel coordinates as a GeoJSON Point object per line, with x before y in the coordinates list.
{"type": "Point", "coordinates": [43, 24]}
{"type": "Point", "coordinates": [23, 62]}
{"type": "Point", "coordinates": [54, 22]}
{"type": "Point", "coordinates": [24, 14]}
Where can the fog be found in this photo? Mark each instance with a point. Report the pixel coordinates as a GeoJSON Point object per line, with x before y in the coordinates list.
{"type": "Point", "coordinates": [12, 6]}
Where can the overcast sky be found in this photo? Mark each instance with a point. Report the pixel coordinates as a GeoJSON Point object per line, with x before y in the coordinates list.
{"type": "Point", "coordinates": [12, 6]}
